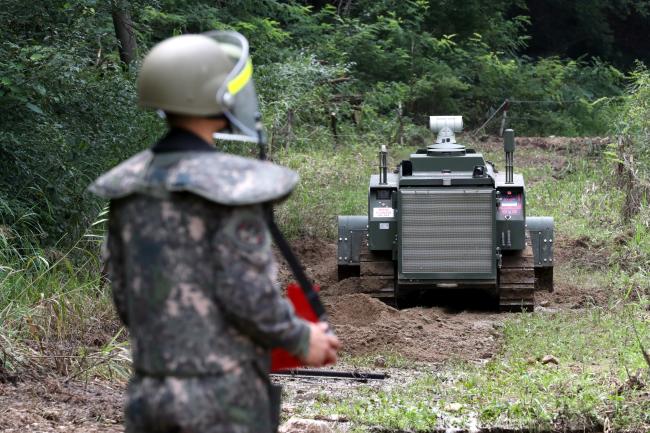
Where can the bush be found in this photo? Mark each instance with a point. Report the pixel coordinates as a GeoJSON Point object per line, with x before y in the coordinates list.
{"type": "Point", "coordinates": [631, 157]}
{"type": "Point", "coordinates": [65, 119]}
{"type": "Point", "coordinates": [69, 103]}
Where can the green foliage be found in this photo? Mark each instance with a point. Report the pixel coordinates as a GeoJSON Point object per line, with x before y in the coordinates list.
{"type": "Point", "coordinates": [610, 29]}
{"type": "Point", "coordinates": [294, 93]}
{"type": "Point", "coordinates": [69, 103]}
{"type": "Point", "coordinates": [432, 59]}
{"type": "Point", "coordinates": [69, 113]}
{"type": "Point", "coordinates": [633, 119]}
{"type": "Point", "coordinates": [550, 96]}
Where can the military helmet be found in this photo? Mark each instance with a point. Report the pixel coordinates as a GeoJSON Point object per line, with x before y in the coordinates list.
{"type": "Point", "coordinates": [206, 74]}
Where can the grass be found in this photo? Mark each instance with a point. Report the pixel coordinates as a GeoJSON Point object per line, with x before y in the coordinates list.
{"type": "Point", "coordinates": [55, 313]}
{"type": "Point", "coordinates": [56, 316]}
{"type": "Point", "coordinates": [596, 385]}
{"type": "Point", "coordinates": [332, 183]}
{"type": "Point", "coordinates": [573, 186]}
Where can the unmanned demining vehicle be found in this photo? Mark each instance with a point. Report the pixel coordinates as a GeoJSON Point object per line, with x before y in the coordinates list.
{"type": "Point", "coordinates": [446, 219]}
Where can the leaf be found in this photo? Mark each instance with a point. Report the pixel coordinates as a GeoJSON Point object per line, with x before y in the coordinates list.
{"type": "Point", "coordinates": [40, 89]}
{"type": "Point", "coordinates": [35, 108]}
{"type": "Point", "coordinates": [103, 220]}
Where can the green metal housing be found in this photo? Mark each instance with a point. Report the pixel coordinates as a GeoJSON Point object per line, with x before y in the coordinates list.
{"type": "Point", "coordinates": [446, 217]}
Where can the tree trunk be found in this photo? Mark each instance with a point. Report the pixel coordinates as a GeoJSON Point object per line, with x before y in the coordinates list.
{"type": "Point", "coordinates": [335, 133]}
{"type": "Point", "coordinates": [290, 135]}
{"type": "Point", "coordinates": [628, 181]}
{"type": "Point", "coordinates": [620, 167]}
{"type": "Point", "coordinates": [399, 134]}
{"type": "Point", "coordinates": [124, 31]}
{"type": "Point", "coordinates": [343, 7]}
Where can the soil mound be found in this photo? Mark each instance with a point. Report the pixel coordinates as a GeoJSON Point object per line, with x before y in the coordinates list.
{"type": "Point", "coordinates": [346, 287]}
{"type": "Point", "coordinates": [317, 256]}
{"type": "Point", "coordinates": [367, 326]}
{"type": "Point", "coordinates": [359, 310]}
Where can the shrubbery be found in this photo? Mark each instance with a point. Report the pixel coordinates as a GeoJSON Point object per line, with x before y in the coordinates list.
{"type": "Point", "coordinates": [380, 67]}
{"type": "Point", "coordinates": [631, 156]}
{"type": "Point", "coordinates": [68, 114]}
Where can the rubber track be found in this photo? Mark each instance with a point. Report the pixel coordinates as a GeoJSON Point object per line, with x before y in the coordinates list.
{"type": "Point", "coordinates": [517, 280]}
{"type": "Point", "coordinates": [376, 274]}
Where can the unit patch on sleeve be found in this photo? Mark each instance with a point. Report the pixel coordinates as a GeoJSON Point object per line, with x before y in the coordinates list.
{"type": "Point", "coordinates": [249, 231]}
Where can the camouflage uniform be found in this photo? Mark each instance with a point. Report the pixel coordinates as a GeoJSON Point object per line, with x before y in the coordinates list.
{"type": "Point", "coordinates": [193, 279]}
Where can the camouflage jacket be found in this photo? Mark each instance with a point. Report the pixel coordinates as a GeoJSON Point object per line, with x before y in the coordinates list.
{"type": "Point", "coordinates": [190, 262]}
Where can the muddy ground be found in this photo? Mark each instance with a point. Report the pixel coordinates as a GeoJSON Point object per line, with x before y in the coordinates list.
{"type": "Point", "coordinates": [441, 330]}
{"type": "Point", "coordinates": [426, 335]}
{"type": "Point", "coordinates": [50, 405]}
{"type": "Point", "coordinates": [455, 325]}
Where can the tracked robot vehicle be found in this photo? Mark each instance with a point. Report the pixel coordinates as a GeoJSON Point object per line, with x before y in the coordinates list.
{"type": "Point", "coordinates": [447, 219]}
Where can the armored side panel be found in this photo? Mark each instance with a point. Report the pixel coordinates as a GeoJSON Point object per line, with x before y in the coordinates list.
{"type": "Point", "coordinates": [542, 238]}
{"type": "Point", "coordinates": [352, 231]}
{"type": "Point", "coordinates": [382, 213]}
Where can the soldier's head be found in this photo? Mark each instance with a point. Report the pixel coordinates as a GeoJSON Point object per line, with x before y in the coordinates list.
{"type": "Point", "coordinates": [203, 79]}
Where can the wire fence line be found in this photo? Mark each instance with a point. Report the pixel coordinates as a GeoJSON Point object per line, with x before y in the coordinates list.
{"type": "Point", "coordinates": [283, 140]}
{"type": "Point", "coordinates": [550, 101]}
{"type": "Point", "coordinates": [505, 108]}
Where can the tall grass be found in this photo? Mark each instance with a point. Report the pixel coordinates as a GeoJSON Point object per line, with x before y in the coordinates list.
{"type": "Point", "coordinates": [55, 315]}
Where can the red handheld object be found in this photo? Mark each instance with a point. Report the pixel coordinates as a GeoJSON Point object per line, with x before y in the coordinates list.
{"type": "Point", "coordinates": [280, 358]}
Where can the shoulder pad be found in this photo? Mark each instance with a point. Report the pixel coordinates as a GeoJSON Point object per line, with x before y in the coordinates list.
{"type": "Point", "coordinates": [219, 177]}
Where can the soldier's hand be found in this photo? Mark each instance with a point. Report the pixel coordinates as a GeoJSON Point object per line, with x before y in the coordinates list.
{"type": "Point", "coordinates": [322, 346]}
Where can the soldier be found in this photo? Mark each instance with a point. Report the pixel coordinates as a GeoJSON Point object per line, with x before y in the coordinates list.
{"type": "Point", "coordinates": [188, 252]}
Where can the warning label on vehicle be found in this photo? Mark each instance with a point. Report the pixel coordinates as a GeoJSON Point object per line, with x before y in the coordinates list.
{"type": "Point", "coordinates": [383, 212]}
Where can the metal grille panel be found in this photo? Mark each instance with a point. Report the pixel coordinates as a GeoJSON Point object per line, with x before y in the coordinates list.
{"type": "Point", "coordinates": [447, 231]}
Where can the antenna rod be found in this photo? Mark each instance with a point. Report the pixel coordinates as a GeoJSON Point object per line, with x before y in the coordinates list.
{"type": "Point", "coordinates": [509, 148]}
{"type": "Point", "coordinates": [383, 165]}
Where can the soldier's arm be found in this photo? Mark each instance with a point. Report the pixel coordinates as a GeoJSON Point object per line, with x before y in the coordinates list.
{"type": "Point", "coordinates": [247, 289]}
{"type": "Point", "coordinates": [113, 260]}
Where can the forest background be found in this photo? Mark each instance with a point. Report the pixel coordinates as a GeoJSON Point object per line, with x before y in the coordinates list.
{"type": "Point", "coordinates": [329, 73]}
